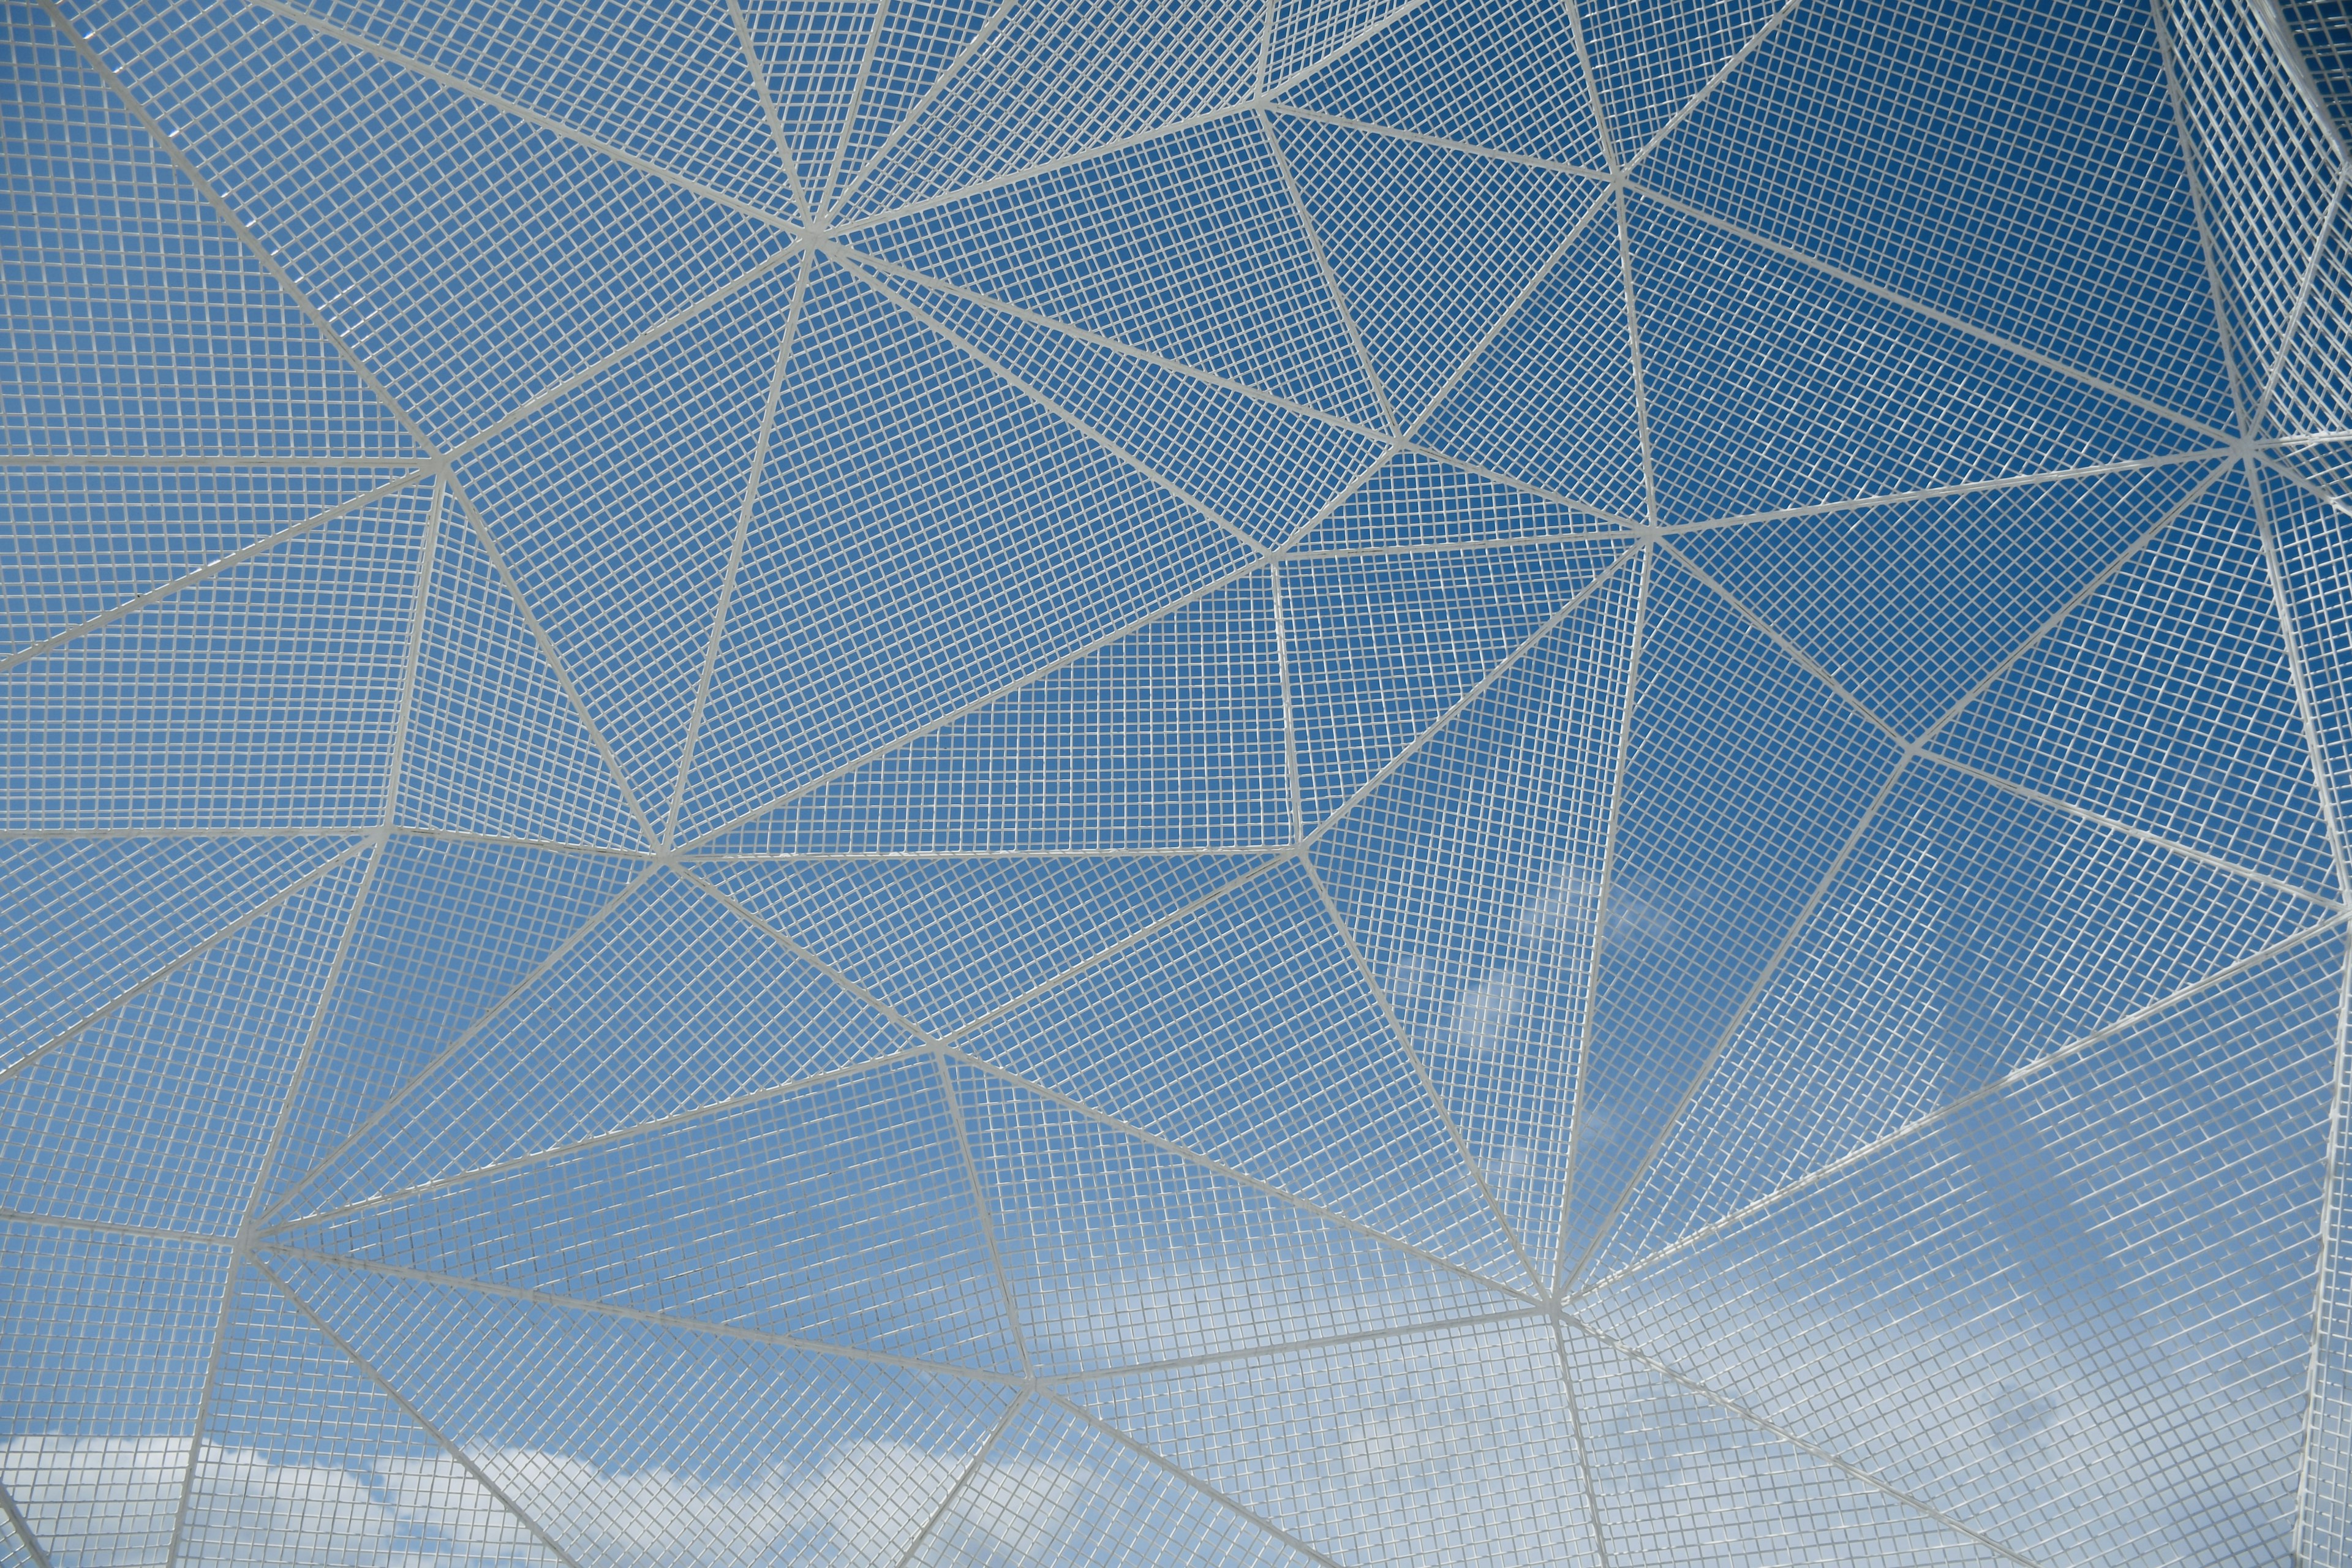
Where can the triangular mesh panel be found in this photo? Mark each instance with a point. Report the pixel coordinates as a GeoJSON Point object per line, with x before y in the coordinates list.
{"type": "Point", "coordinates": [1297, 783]}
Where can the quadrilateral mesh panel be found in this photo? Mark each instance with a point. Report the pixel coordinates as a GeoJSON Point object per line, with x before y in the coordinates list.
{"type": "Point", "coordinates": [2075, 1312]}
{"type": "Point", "coordinates": [637, 1444]}
{"type": "Point", "coordinates": [840, 1212]}
{"type": "Point", "coordinates": [1168, 739]}
{"type": "Point", "coordinates": [103, 1347]}
{"type": "Point", "coordinates": [305, 1460]}
{"type": "Point", "coordinates": [1122, 1254]}
{"type": "Point", "coordinates": [469, 257]}
{"type": "Point", "coordinates": [1472, 881]}
{"type": "Point", "coordinates": [141, 324]}
{"type": "Point", "coordinates": [161, 1114]}
{"type": "Point", "coordinates": [261, 697]}
{"type": "Point", "coordinates": [1452, 1444]}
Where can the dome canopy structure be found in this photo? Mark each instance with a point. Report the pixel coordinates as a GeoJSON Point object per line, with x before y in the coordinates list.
{"type": "Point", "coordinates": [1245, 782]}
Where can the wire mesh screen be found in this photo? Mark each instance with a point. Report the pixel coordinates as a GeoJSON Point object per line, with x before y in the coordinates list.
{"type": "Point", "coordinates": [1244, 781]}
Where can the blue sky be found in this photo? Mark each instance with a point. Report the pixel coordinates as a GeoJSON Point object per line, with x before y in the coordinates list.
{"type": "Point", "coordinates": [1323, 784]}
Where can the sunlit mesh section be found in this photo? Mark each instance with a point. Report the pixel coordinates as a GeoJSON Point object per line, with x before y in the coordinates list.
{"type": "Point", "coordinates": [1019, 783]}
{"type": "Point", "coordinates": [641, 1443]}
{"type": "Point", "coordinates": [1123, 1252]}
{"type": "Point", "coordinates": [1472, 881]}
{"type": "Point", "coordinates": [874, 1246]}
